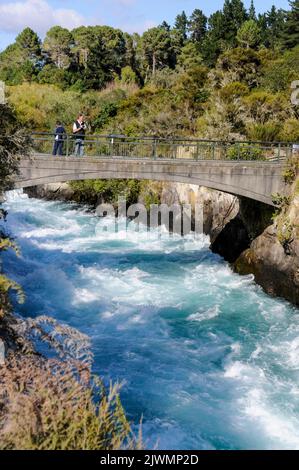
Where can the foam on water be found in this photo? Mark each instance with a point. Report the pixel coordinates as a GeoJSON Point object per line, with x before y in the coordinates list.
{"type": "Point", "coordinates": [208, 359]}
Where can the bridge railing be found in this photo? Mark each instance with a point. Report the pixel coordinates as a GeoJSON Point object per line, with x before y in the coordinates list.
{"type": "Point", "coordinates": [166, 148]}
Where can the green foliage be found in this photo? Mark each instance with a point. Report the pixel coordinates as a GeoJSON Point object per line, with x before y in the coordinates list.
{"type": "Point", "coordinates": [96, 191]}
{"type": "Point", "coordinates": [197, 26]}
{"type": "Point", "coordinates": [190, 56]}
{"type": "Point", "coordinates": [108, 111]}
{"type": "Point", "coordinates": [156, 43]}
{"type": "Point", "coordinates": [244, 152]}
{"type": "Point", "coordinates": [186, 79]}
{"type": "Point", "coordinates": [249, 34]}
{"type": "Point", "coordinates": [289, 175]}
{"type": "Point", "coordinates": [57, 405]}
{"type": "Point", "coordinates": [29, 44]}
{"type": "Point", "coordinates": [244, 64]}
{"type": "Point", "coordinates": [234, 90]}
{"type": "Point", "coordinates": [291, 27]}
{"type": "Point", "coordinates": [93, 56]}
{"type": "Point", "coordinates": [234, 15]}
{"type": "Point", "coordinates": [6, 286]}
{"type": "Point", "coordinates": [262, 106]}
{"type": "Point", "coordinates": [267, 132]}
{"type": "Point", "coordinates": [280, 200]}
{"type": "Point", "coordinates": [290, 131]}
{"type": "Point", "coordinates": [181, 25]}
{"type": "Point", "coordinates": [272, 24]}
{"type": "Point", "coordinates": [57, 45]}
{"type": "Point", "coordinates": [280, 70]}
{"type": "Point", "coordinates": [128, 76]}
{"type": "Point", "coordinates": [13, 144]}
{"type": "Point", "coordinates": [291, 169]}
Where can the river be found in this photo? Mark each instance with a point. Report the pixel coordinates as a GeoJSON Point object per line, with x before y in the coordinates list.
{"type": "Point", "coordinates": [207, 358]}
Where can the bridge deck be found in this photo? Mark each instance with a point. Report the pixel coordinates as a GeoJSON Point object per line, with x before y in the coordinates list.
{"type": "Point", "coordinates": [257, 180]}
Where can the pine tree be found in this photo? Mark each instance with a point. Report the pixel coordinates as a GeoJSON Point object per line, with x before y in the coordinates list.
{"type": "Point", "coordinates": [30, 44]}
{"type": "Point", "coordinates": [57, 45]}
{"type": "Point", "coordinates": [290, 33]}
{"type": "Point", "coordinates": [181, 24]}
{"type": "Point", "coordinates": [252, 12]}
{"type": "Point", "coordinates": [83, 39]}
{"type": "Point", "coordinates": [234, 14]}
{"type": "Point", "coordinates": [165, 25]}
{"type": "Point", "coordinates": [271, 24]}
{"type": "Point", "coordinates": [189, 57]}
{"type": "Point", "coordinates": [197, 26]}
{"type": "Point", "coordinates": [249, 34]}
{"type": "Point", "coordinates": [212, 44]}
{"type": "Point", "coordinates": [156, 44]}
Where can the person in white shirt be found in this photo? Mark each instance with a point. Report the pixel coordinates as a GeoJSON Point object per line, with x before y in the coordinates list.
{"type": "Point", "coordinates": [79, 128]}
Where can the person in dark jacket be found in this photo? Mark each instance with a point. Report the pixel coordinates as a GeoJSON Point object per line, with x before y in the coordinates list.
{"type": "Point", "coordinates": [60, 135]}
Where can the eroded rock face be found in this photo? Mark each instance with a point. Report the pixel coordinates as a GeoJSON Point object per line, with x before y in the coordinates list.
{"type": "Point", "coordinates": [52, 192]}
{"type": "Point", "coordinates": [273, 257]}
{"type": "Point", "coordinates": [274, 268]}
{"type": "Point", "coordinates": [232, 240]}
{"type": "Point", "coordinates": [251, 220]}
{"type": "Point", "coordinates": [218, 208]}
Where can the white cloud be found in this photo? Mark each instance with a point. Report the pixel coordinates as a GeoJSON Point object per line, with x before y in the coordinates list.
{"type": "Point", "coordinates": [38, 15]}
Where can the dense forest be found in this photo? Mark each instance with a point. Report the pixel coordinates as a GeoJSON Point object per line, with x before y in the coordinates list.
{"type": "Point", "coordinates": [226, 76]}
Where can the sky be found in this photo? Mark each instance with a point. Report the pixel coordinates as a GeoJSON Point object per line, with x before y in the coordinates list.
{"type": "Point", "coordinates": [128, 15]}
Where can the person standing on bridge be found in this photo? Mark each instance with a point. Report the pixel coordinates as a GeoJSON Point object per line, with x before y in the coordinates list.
{"type": "Point", "coordinates": [79, 128]}
{"type": "Point", "coordinates": [60, 135]}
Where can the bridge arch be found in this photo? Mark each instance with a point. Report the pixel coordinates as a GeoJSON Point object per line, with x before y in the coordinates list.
{"type": "Point", "coordinates": [254, 180]}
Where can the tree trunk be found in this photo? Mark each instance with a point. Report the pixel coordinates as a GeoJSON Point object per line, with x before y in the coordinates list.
{"type": "Point", "coordinates": [154, 64]}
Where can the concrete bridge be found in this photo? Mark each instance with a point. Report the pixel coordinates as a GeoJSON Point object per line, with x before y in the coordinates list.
{"type": "Point", "coordinates": [256, 180]}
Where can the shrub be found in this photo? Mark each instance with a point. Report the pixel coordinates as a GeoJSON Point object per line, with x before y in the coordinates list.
{"type": "Point", "coordinates": [233, 90]}
{"type": "Point", "coordinates": [290, 130]}
{"type": "Point", "coordinates": [267, 132]}
{"type": "Point", "coordinates": [244, 152]}
{"type": "Point", "coordinates": [54, 405]}
{"type": "Point", "coordinates": [95, 191]}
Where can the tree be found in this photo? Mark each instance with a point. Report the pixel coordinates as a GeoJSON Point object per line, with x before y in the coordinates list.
{"type": "Point", "coordinates": [99, 69]}
{"type": "Point", "coordinates": [128, 76]}
{"type": "Point", "coordinates": [252, 12]}
{"type": "Point", "coordinates": [22, 60]}
{"type": "Point", "coordinates": [234, 15]}
{"type": "Point", "coordinates": [57, 45]}
{"type": "Point", "coordinates": [243, 64]}
{"type": "Point", "coordinates": [249, 34]}
{"type": "Point", "coordinates": [212, 44]}
{"type": "Point", "coordinates": [156, 45]}
{"type": "Point", "coordinates": [181, 24]}
{"type": "Point", "coordinates": [291, 28]}
{"type": "Point", "coordinates": [84, 38]}
{"type": "Point", "coordinates": [165, 25]}
{"type": "Point", "coordinates": [189, 57]}
{"type": "Point", "coordinates": [14, 143]}
{"type": "Point", "coordinates": [30, 45]}
{"type": "Point", "coordinates": [130, 54]}
{"type": "Point", "coordinates": [197, 26]}
{"type": "Point", "coordinates": [271, 24]}
{"type": "Point", "coordinates": [114, 44]}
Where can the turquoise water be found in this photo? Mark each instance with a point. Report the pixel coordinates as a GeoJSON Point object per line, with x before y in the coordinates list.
{"type": "Point", "coordinates": [208, 359]}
